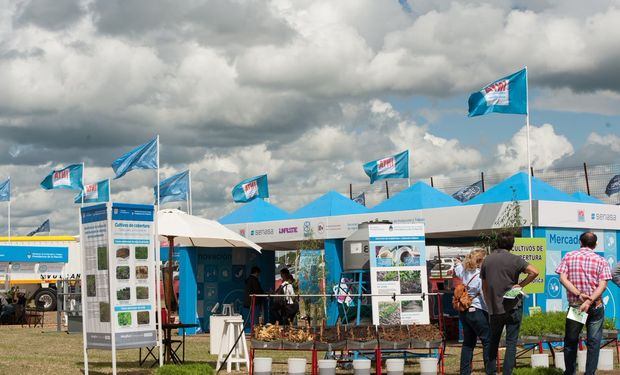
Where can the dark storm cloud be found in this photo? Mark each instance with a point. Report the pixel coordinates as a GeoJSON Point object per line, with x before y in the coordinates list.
{"type": "Point", "coordinates": [211, 22]}
{"type": "Point", "coordinates": [603, 76]}
{"type": "Point", "coordinates": [51, 15]}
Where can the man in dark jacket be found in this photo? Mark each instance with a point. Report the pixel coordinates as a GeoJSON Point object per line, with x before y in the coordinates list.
{"type": "Point", "coordinates": [500, 272]}
{"type": "Point", "coordinates": [252, 286]}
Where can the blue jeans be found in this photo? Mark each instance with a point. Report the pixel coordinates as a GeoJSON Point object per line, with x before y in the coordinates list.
{"type": "Point", "coordinates": [594, 326]}
{"type": "Point", "coordinates": [512, 321]}
{"type": "Point", "coordinates": [475, 325]}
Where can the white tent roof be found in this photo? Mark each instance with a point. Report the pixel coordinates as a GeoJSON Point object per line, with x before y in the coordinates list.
{"type": "Point", "coordinates": [191, 230]}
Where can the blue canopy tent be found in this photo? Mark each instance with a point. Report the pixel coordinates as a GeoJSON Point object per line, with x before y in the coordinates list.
{"type": "Point", "coordinates": [416, 197]}
{"type": "Point", "coordinates": [516, 187]}
{"type": "Point", "coordinates": [585, 198]}
{"type": "Point", "coordinates": [330, 204]}
{"type": "Point", "coordinates": [255, 211]}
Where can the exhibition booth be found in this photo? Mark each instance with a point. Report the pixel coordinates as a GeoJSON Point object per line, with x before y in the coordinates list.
{"type": "Point", "coordinates": [216, 275]}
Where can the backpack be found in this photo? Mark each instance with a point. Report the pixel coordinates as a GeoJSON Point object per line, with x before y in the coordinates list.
{"type": "Point", "coordinates": [461, 301]}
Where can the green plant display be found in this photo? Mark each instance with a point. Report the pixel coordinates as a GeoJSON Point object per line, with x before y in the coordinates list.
{"type": "Point", "coordinates": [91, 286]}
{"type": "Point", "coordinates": [389, 313]}
{"type": "Point", "coordinates": [188, 369]}
{"type": "Point", "coordinates": [123, 294]}
{"type": "Point", "coordinates": [387, 276]}
{"type": "Point", "coordinates": [122, 272]}
{"type": "Point", "coordinates": [102, 258]}
{"type": "Point", "coordinates": [142, 252]}
{"type": "Point", "coordinates": [142, 292]}
{"type": "Point", "coordinates": [124, 319]}
{"type": "Point", "coordinates": [551, 323]}
{"type": "Point", "coordinates": [537, 371]}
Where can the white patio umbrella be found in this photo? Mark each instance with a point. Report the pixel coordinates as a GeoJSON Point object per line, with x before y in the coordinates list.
{"type": "Point", "coordinates": [178, 227]}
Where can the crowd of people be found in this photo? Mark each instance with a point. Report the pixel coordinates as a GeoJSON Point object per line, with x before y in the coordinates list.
{"type": "Point", "coordinates": [490, 309]}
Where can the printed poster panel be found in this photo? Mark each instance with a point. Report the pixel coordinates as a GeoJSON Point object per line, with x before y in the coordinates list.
{"type": "Point", "coordinates": [132, 275]}
{"type": "Point", "coordinates": [533, 251]}
{"type": "Point", "coordinates": [310, 274]}
{"type": "Point", "coordinates": [398, 271]}
{"type": "Point", "coordinates": [95, 265]}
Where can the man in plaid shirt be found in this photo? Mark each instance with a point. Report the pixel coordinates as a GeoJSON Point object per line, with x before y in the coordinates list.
{"type": "Point", "coordinates": [584, 274]}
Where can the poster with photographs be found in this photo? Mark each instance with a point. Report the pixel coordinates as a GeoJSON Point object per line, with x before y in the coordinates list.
{"type": "Point", "coordinates": [94, 241]}
{"type": "Point", "coordinates": [118, 269]}
{"type": "Point", "coordinates": [398, 271]}
{"type": "Point", "coordinates": [132, 270]}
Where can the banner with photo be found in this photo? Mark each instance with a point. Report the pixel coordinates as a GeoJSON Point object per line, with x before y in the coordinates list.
{"type": "Point", "coordinates": [398, 271]}
{"type": "Point", "coordinates": [119, 268]}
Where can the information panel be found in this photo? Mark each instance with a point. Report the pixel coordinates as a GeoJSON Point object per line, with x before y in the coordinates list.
{"type": "Point", "coordinates": [398, 271]}
{"type": "Point", "coordinates": [119, 271]}
{"type": "Point", "coordinates": [95, 264]}
{"type": "Point", "coordinates": [533, 251]}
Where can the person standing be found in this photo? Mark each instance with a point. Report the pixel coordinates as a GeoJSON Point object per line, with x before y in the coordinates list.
{"type": "Point", "coordinates": [615, 275]}
{"type": "Point", "coordinates": [253, 286]}
{"type": "Point", "coordinates": [500, 272]}
{"type": "Point", "coordinates": [584, 274]}
{"type": "Point", "coordinates": [475, 320]}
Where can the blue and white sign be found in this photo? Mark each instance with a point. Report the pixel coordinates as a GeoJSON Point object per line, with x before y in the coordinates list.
{"type": "Point", "coordinates": [34, 254]}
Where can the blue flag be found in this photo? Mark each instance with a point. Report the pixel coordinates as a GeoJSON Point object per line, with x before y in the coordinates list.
{"type": "Point", "coordinates": [361, 199]}
{"type": "Point", "coordinates": [251, 188]}
{"type": "Point", "coordinates": [142, 157]}
{"type": "Point", "coordinates": [5, 191]}
{"type": "Point", "coordinates": [613, 186]}
{"type": "Point", "coordinates": [94, 193]}
{"type": "Point", "coordinates": [43, 228]}
{"type": "Point", "coordinates": [468, 192]}
{"type": "Point", "coordinates": [396, 166]}
{"type": "Point", "coordinates": [506, 95]}
{"type": "Point", "coordinates": [66, 178]}
{"type": "Point", "coordinates": [173, 189]}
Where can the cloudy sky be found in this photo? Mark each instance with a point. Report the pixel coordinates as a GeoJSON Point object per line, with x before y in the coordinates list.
{"type": "Point", "coordinates": [305, 91]}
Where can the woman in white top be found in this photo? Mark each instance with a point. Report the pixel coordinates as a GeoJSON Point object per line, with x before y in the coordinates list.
{"type": "Point", "coordinates": [284, 309]}
{"type": "Point", "coordinates": [475, 321]}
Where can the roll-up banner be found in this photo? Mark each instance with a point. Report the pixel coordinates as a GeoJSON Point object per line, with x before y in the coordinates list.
{"type": "Point", "coordinates": [119, 269]}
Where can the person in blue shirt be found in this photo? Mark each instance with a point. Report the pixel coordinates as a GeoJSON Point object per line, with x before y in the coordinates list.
{"type": "Point", "coordinates": [475, 321]}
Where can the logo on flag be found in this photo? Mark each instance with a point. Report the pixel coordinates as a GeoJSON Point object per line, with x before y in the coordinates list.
{"type": "Point", "coordinates": [61, 178]}
{"type": "Point", "coordinates": [395, 166]}
{"type": "Point", "coordinates": [91, 191]}
{"type": "Point", "coordinates": [66, 178]}
{"type": "Point", "coordinates": [506, 95]}
{"type": "Point", "coordinates": [386, 166]}
{"type": "Point", "coordinates": [94, 193]}
{"type": "Point", "coordinates": [250, 189]}
{"type": "Point", "coordinates": [497, 93]}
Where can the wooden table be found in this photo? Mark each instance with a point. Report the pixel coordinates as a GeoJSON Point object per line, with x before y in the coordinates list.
{"type": "Point", "coordinates": [171, 351]}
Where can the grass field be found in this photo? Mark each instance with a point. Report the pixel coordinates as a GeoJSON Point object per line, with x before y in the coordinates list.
{"type": "Point", "coordinates": [39, 351]}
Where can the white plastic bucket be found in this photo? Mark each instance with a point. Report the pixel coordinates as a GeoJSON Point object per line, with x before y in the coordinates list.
{"type": "Point", "coordinates": [559, 360]}
{"type": "Point", "coordinates": [296, 366]}
{"type": "Point", "coordinates": [540, 360]}
{"type": "Point", "coordinates": [582, 356]}
{"type": "Point", "coordinates": [262, 365]}
{"type": "Point", "coordinates": [361, 366]}
{"type": "Point", "coordinates": [606, 360]}
{"type": "Point", "coordinates": [327, 366]}
{"type": "Point", "coordinates": [428, 366]}
{"type": "Point", "coordinates": [395, 366]}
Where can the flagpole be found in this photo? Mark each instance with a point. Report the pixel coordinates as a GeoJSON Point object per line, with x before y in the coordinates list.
{"type": "Point", "coordinates": [529, 159]}
{"type": "Point", "coordinates": [529, 165]}
{"type": "Point", "coordinates": [158, 266]}
{"type": "Point", "coordinates": [189, 195]}
{"type": "Point", "coordinates": [9, 211]}
{"type": "Point", "coordinates": [83, 170]}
